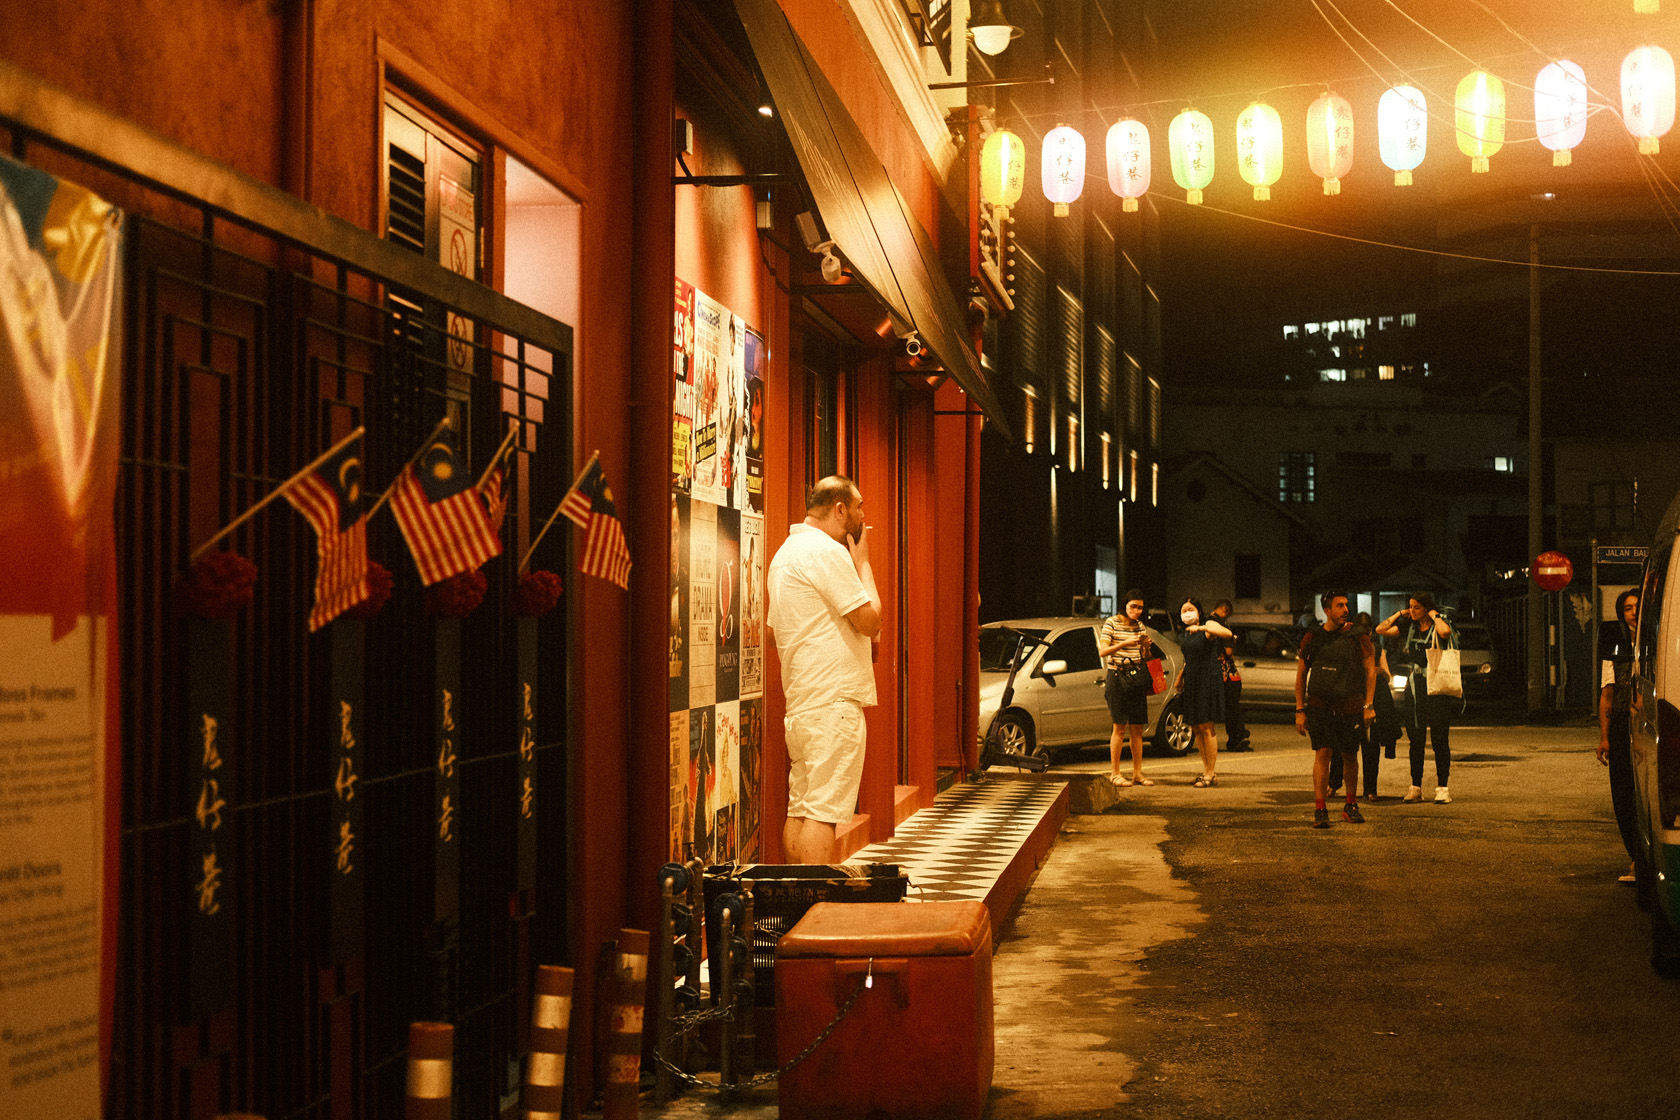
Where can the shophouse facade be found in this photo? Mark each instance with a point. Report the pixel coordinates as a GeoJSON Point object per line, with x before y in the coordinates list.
{"type": "Point", "coordinates": [377, 215]}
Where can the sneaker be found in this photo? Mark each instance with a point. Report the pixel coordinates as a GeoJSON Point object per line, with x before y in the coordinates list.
{"type": "Point", "coordinates": [1238, 747]}
{"type": "Point", "coordinates": [1416, 794]}
{"type": "Point", "coordinates": [1442, 797]}
{"type": "Point", "coordinates": [1351, 814]}
{"type": "Point", "coordinates": [1321, 818]}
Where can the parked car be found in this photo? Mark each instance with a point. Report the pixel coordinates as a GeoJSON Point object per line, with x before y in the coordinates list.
{"type": "Point", "coordinates": [1655, 727]}
{"type": "Point", "coordinates": [1266, 656]}
{"type": "Point", "coordinates": [1058, 699]}
{"type": "Point", "coordinates": [1476, 662]}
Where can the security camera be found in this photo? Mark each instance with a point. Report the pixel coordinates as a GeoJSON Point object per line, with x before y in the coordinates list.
{"type": "Point", "coordinates": [815, 243]}
{"type": "Point", "coordinates": [913, 345]}
{"type": "Point", "coordinates": [830, 264]}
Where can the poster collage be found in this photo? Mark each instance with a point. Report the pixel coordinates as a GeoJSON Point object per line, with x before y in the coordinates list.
{"type": "Point", "coordinates": [716, 647]}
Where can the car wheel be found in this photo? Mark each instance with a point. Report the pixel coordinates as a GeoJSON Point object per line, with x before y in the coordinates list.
{"type": "Point", "coordinates": [1173, 735]}
{"type": "Point", "coordinates": [1015, 736]}
{"type": "Point", "coordinates": [1665, 944]}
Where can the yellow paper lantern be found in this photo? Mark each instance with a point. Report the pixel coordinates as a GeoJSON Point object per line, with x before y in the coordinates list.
{"type": "Point", "coordinates": [1648, 95]}
{"type": "Point", "coordinates": [1560, 109]}
{"type": "Point", "coordinates": [1190, 140]}
{"type": "Point", "coordinates": [1481, 117]}
{"type": "Point", "coordinates": [1646, 7]}
{"type": "Point", "coordinates": [1330, 140]}
{"type": "Point", "coordinates": [1003, 164]}
{"type": "Point", "coordinates": [1402, 131]}
{"type": "Point", "coordinates": [1128, 161]}
{"type": "Point", "coordinates": [1064, 167]}
{"type": "Point", "coordinates": [1259, 148]}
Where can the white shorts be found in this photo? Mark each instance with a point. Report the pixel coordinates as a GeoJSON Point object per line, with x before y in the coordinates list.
{"type": "Point", "coordinates": [825, 761]}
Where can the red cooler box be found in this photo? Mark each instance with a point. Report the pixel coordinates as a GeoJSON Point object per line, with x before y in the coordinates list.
{"type": "Point", "coordinates": [918, 1042]}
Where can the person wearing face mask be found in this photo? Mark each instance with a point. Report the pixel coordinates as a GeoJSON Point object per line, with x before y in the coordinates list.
{"type": "Point", "coordinates": [1615, 702]}
{"type": "Point", "coordinates": [1201, 682]}
{"type": "Point", "coordinates": [1124, 645]}
{"type": "Point", "coordinates": [1425, 715]}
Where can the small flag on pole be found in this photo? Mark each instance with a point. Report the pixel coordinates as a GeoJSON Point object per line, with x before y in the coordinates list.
{"type": "Point", "coordinates": [330, 499]}
{"type": "Point", "coordinates": [490, 484]}
{"type": "Point", "coordinates": [589, 504]}
{"type": "Point", "coordinates": [442, 514]}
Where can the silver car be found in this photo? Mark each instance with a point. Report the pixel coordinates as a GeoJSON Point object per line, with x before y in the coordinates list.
{"type": "Point", "coordinates": [1058, 699]}
{"type": "Point", "coordinates": [1266, 655]}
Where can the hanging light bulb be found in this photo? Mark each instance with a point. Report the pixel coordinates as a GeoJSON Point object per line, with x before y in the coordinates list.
{"type": "Point", "coordinates": [1402, 131]}
{"type": "Point", "coordinates": [991, 29]}
{"type": "Point", "coordinates": [1128, 161]}
{"type": "Point", "coordinates": [1330, 140]}
{"type": "Point", "coordinates": [1560, 109]}
{"type": "Point", "coordinates": [1648, 95]}
{"type": "Point", "coordinates": [1190, 140]}
{"type": "Point", "coordinates": [1480, 117]}
{"type": "Point", "coordinates": [1259, 148]}
{"type": "Point", "coordinates": [1003, 162]}
{"type": "Point", "coordinates": [1064, 167]}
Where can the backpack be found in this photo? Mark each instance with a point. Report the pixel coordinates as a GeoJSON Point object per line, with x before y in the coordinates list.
{"type": "Point", "coordinates": [1335, 667]}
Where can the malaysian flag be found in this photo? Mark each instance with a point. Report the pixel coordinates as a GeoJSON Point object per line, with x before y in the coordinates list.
{"type": "Point", "coordinates": [330, 499]}
{"type": "Point", "coordinates": [589, 503]}
{"type": "Point", "coordinates": [442, 515]}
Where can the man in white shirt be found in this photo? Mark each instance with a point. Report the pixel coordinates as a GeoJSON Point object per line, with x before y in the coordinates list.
{"type": "Point", "coordinates": [824, 610]}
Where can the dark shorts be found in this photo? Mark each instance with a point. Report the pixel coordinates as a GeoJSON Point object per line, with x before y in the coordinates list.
{"type": "Point", "coordinates": [1332, 731]}
{"type": "Point", "coordinates": [1128, 697]}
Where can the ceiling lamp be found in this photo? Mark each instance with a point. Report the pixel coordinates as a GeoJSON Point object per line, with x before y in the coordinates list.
{"type": "Point", "coordinates": [1128, 161]}
{"type": "Point", "coordinates": [1063, 170]}
{"type": "Point", "coordinates": [1648, 95]}
{"type": "Point", "coordinates": [1330, 140]}
{"type": "Point", "coordinates": [1402, 131]}
{"type": "Point", "coordinates": [1259, 148]}
{"type": "Point", "coordinates": [1560, 109]}
{"type": "Point", "coordinates": [992, 31]}
{"type": "Point", "coordinates": [1003, 163]}
{"type": "Point", "coordinates": [1190, 140]}
{"type": "Point", "coordinates": [1480, 117]}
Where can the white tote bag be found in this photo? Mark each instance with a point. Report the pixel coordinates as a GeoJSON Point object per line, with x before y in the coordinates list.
{"type": "Point", "coordinates": [1443, 677]}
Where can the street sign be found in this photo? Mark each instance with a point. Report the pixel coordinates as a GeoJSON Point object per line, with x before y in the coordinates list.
{"type": "Point", "coordinates": [1553, 571]}
{"type": "Point", "coordinates": [1621, 554]}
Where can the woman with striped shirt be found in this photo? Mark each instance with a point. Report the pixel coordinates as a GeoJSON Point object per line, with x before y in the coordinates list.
{"type": "Point", "coordinates": [1124, 645]}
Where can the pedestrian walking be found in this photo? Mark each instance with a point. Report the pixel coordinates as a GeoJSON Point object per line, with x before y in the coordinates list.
{"type": "Point", "coordinates": [824, 609]}
{"type": "Point", "coordinates": [1201, 683]}
{"type": "Point", "coordinates": [1370, 734]}
{"type": "Point", "coordinates": [1125, 648]}
{"type": "Point", "coordinates": [1335, 675]}
{"type": "Point", "coordinates": [1426, 717]}
{"type": "Point", "coordinates": [1236, 730]}
{"type": "Point", "coordinates": [1615, 701]}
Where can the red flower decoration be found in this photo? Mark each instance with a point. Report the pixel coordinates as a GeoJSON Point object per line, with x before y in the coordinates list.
{"type": "Point", "coordinates": [458, 596]}
{"type": "Point", "coordinates": [537, 594]}
{"type": "Point", "coordinates": [379, 592]}
{"type": "Point", "coordinates": [218, 586]}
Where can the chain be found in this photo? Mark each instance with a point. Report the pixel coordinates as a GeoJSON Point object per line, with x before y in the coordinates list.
{"type": "Point", "coordinates": [694, 1018]}
{"type": "Point", "coordinates": [763, 1078]}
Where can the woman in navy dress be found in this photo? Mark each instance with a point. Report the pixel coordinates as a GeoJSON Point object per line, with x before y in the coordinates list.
{"type": "Point", "coordinates": [1201, 683]}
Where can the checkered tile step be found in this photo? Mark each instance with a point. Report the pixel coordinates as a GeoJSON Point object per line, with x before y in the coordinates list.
{"type": "Point", "coordinates": [957, 847]}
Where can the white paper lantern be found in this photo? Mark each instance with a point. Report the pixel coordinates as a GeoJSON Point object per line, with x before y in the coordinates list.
{"type": "Point", "coordinates": [1402, 131]}
{"type": "Point", "coordinates": [1648, 95]}
{"type": "Point", "coordinates": [1064, 167]}
{"type": "Point", "coordinates": [1560, 109]}
{"type": "Point", "coordinates": [1330, 140]}
{"type": "Point", "coordinates": [1128, 161]}
{"type": "Point", "coordinates": [1259, 148]}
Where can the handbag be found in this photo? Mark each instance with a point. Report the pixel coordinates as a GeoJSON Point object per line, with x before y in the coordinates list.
{"type": "Point", "coordinates": [1442, 677]}
{"type": "Point", "coordinates": [1157, 676]}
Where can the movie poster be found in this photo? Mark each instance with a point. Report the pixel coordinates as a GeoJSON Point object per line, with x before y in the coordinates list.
{"type": "Point", "coordinates": [713, 329]}
{"type": "Point", "coordinates": [677, 644]}
{"type": "Point", "coordinates": [681, 802]}
{"type": "Point", "coordinates": [702, 780]}
{"type": "Point", "coordinates": [751, 493]}
{"type": "Point", "coordinates": [752, 606]}
{"type": "Point", "coordinates": [747, 810]}
{"type": "Point", "coordinates": [728, 627]}
{"type": "Point", "coordinates": [682, 396]}
{"type": "Point", "coordinates": [702, 604]}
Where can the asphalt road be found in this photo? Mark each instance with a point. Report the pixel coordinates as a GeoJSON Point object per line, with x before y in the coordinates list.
{"type": "Point", "coordinates": [1204, 953]}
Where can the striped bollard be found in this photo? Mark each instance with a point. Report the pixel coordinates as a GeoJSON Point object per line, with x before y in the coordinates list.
{"type": "Point", "coordinates": [551, 1020]}
{"type": "Point", "coordinates": [624, 1041]}
{"type": "Point", "coordinates": [431, 1071]}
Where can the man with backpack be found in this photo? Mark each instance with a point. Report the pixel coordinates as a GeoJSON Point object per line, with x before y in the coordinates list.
{"type": "Point", "coordinates": [1335, 675]}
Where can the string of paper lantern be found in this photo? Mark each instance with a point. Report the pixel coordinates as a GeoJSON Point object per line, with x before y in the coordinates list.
{"type": "Point", "coordinates": [1561, 108]}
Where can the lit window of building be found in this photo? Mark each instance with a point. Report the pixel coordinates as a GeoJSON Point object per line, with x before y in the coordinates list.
{"type": "Point", "coordinates": [1332, 375]}
{"type": "Point", "coordinates": [1295, 476]}
{"type": "Point", "coordinates": [1292, 332]}
{"type": "Point", "coordinates": [1409, 319]}
{"type": "Point", "coordinates": [1385, 373]}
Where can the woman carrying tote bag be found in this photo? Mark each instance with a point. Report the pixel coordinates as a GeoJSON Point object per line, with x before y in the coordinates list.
{"type": "Point", "coordinates": [1426, 639]}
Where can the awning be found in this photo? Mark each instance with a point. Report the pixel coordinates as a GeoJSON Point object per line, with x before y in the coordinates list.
{"type": "Point", "coordinates": [863, 212]}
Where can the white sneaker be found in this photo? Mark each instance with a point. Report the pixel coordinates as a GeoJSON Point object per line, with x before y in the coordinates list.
{"type": "Point", "coordinates": [1442, 797]}
{"type": "Point", "coordinates": [1415, 794]}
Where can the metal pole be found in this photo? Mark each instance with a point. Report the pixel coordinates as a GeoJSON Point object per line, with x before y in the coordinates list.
{"type": "Point", "coordinates": [1536, 598]}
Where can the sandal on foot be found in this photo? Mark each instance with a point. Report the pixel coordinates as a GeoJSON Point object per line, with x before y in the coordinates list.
{"type": "Point", "coordinates": [1202, 782]}
{"type": "Point", "coordinates": [1119, 781]}
{"type": "Point", "coordinates": [1143, 781]}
